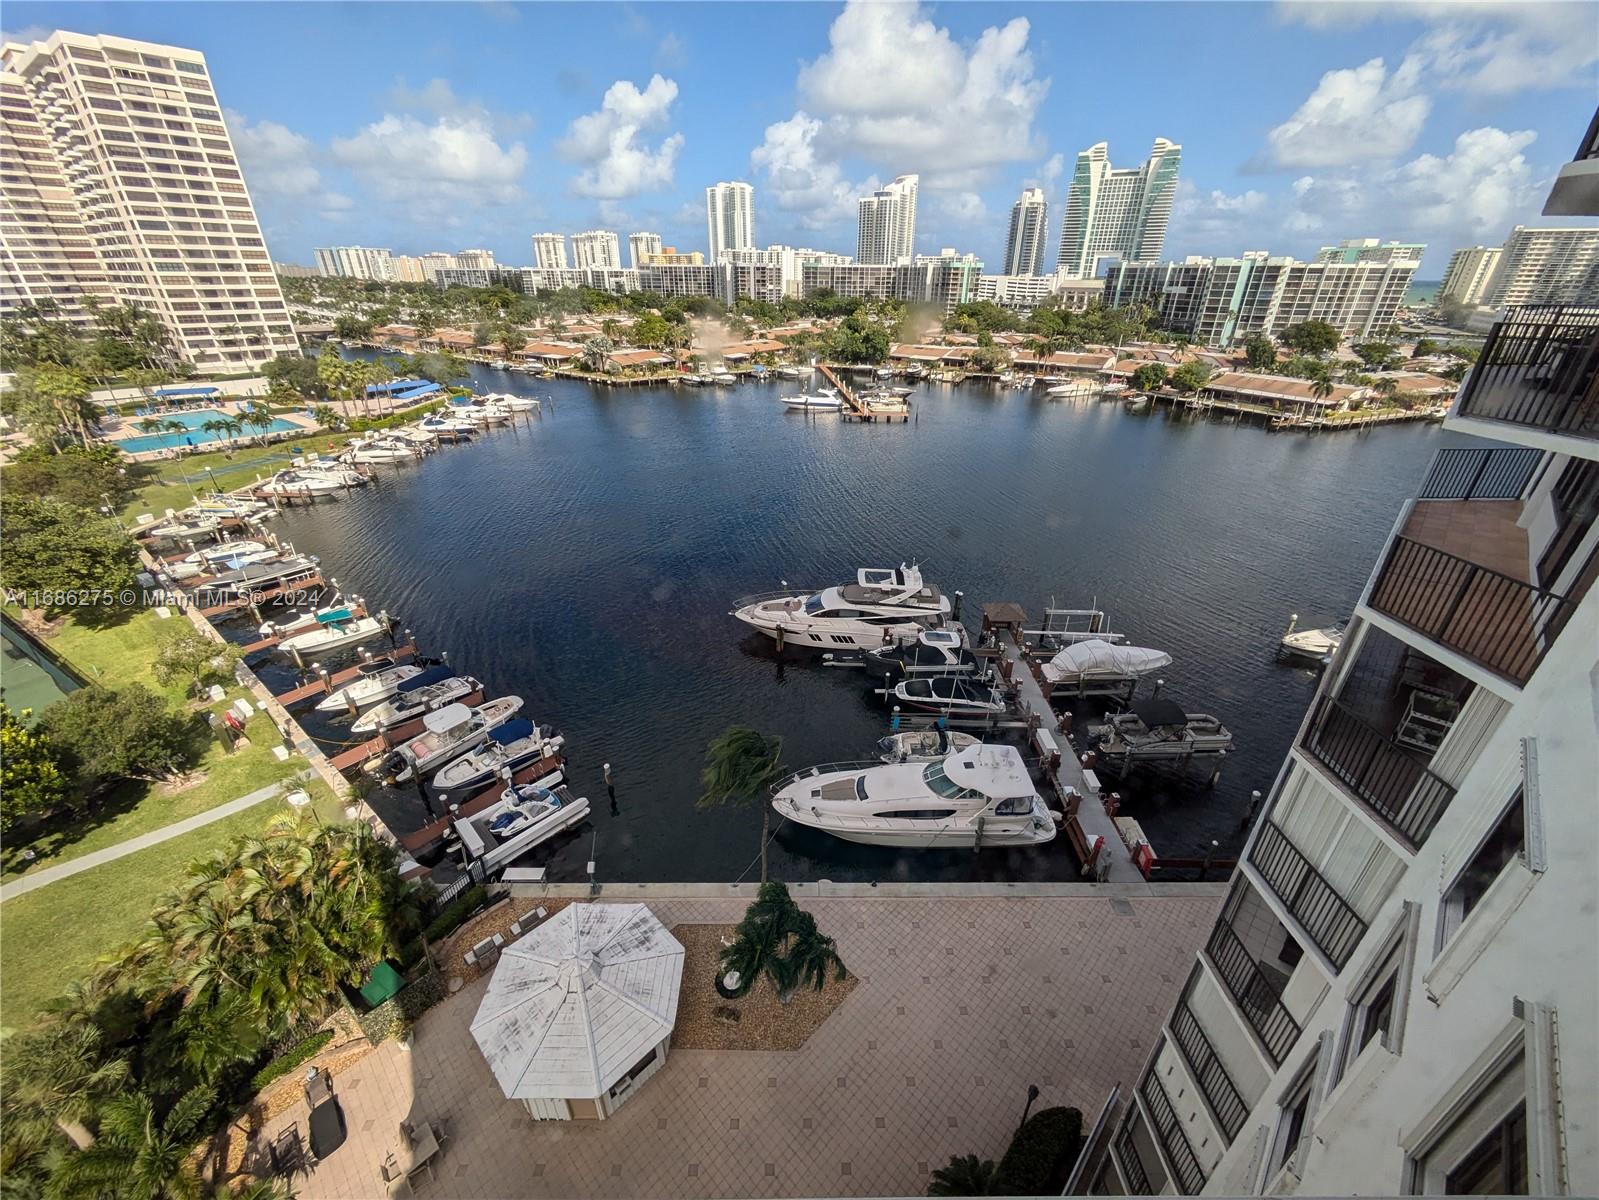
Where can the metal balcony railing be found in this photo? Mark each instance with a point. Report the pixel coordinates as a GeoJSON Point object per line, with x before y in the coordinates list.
{"type": "Point", "coordinates": [1190, 1175]}
{"type": "Point", "coordinates": [1480, 474]}
{"type": "Point", "coordinates": [1495, 620]}
{"type": "Point", "coordinates": [1539, 368]}
{"type": "Point", "coordinates": [1333, 925]}
{"type": "Point", "coordinates": [1257, 997]}
{"type": "Point", "coordinates": [1387, 778]}
{"type": "Point", "coordinates": [1132, 1166]}
{"type": "Point", "coordinates": [1207, 1068]}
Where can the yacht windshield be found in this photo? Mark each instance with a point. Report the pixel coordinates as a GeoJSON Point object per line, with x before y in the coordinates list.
{"type": "Point", "coordinates": [941, 783]}
{"type": "Point", "coordinates": [813, 604]}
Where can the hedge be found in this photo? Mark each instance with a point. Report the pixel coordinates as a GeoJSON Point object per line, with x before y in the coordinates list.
{"type": "Point", "coordinates": [292, 1057]}
{"type": "Point", "coordinates": [395, 1016]}
{"type": "Point", "coordinates": [1041, 1154]}
{"type": "Point", "coordinates": [454, 914]}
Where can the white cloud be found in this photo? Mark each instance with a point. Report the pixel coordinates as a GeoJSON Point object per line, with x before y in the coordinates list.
{"type": "Point", "coordinates": [1049, 175]}
{"type": "Point", "coordinates": [281, 164]}
{"type": "Point", "coordinates": [965, 208]}
{"type": "Point", "coordinates": [437, 98]}
{"type": "Point", "coordinates": [27, 35]}
{"type": "Point", "coordinates": [1359, 113]}
{"type": "Point", "coordinates": [438, 170]}
{"type": "Point", "coordinates": [618, 160]}
{"type": "Point", "coordinates": [801, 181]}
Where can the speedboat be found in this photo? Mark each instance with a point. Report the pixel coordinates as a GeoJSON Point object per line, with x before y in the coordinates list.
{"type": "Point", "coordinates": [1159, 728]}
{"type": "Point", "coordinates": [454, 426]}
{"type": "Point", "coordinates": [301, 483]}
{"type": "Point", "coordinates": [447, 734]}
{"type": "Point", "coordinates": [424, 693]}
{"type": "Point", "coordinates": [934, 652]}
{"type": "Point", "coordinates": [1076, 389]}
{"type": "Point", "coordinates": [177, 530]}
{"type": "Point", "coordinates": [922, 745]}
{"type": "Point", "coordinates": [725, 377]}
{"type": "Point", "coordinates": [1316, 645]}
{"type": "Point", "coordinates": [307, 621]}
{"type": "Point", "coordinates": [323, 467]}
{"type": "Point", "coordinates": [826, 400]}
{"type": "Point", "coordinates": [383, 449]}
{"type": "Point", "coordinates": [881, 605]}
{"type": "Point", "coordinates": [416, 437]}
{"type": "Point", "coordinates": [975, 796]}
{"type": "Point", "coordinates": [792, 372]}
{"type": "Point", "coordinates": [519, 820]}
{"type": "Point", "coordinates": [223, 506]}
{"type": "Point", "coordinates": [375, 682]}
{"type": "Point", "coordinates": [260, 577]}
{"type": "Point", "coordinates": [334, 634]}
{"type": "Point", "coordinates": [950, 694]}
{"type": "Point", "coordinates": [509, 748]}
{"type": "Point", "coordinates": [1098, 661]}
{"type": "Point", "coordinates": [515, 404]}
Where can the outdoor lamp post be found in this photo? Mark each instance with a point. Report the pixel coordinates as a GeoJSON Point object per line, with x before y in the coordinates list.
{"type": "Point", "coordinates": [1032, 1094]}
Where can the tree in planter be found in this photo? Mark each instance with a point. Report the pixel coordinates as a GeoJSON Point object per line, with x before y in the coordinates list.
{"type": "Point", "coordinates": [741, 766]}
{"type": "Point", "coordinates": [781, 939]}
{"type": "Point", "coordinates": [810, 955]}
{"type": "Point", "coordinates": [966, 1175]}
{"type": "Point", "coordinates": [187, 654]}
{"type": "Point", "coordinates": [108, 736]}
{"type": "Point", "coordinates": [31, 782]}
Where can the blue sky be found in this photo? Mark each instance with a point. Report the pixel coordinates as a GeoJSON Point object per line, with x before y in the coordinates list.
{"type": "Point", "coordinates": [428, 126]}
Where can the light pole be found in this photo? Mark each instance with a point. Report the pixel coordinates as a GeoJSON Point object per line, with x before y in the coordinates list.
{"type": "Point", "coordinates": [1032, 1094]}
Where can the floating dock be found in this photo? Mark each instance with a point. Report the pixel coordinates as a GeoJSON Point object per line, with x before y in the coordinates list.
{"type": "Point", "coordinates": [855, 409]}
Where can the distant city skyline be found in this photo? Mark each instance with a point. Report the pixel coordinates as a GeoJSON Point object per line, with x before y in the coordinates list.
{"type": "Point", "coordinates": [1432, 125]}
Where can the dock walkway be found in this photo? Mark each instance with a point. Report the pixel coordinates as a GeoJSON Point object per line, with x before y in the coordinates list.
{"type": "Point", "coordinates": [1091, 814]}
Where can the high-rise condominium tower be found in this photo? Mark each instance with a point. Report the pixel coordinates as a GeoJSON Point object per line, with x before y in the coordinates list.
{"type": "Point", "coordinates": [729, 219]}
{"type": "Point", "coordinates": [355, 262]}
{"type": "Point", "coordinates": [641, 248]}
{"type": "Point", "coordinates": [1471, 269]}
{"type": "Point", "coordinates": [1547, 266]}
{"type": "Point", "coordinates": [887, 233]}
{"type": "Point", "coordinates": [1113, 213]}
{"type": "Point", "coordinates": [549, 251]}
{"type": "Point", "coordinates": [120, 181]}
{"type": "Point", "coordinates": [596, 248]}
{"type": "Point", "coordinates": [1029, 225]}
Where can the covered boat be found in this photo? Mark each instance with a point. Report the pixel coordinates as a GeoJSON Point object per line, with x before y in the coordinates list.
{"type": "Point", "coordinates": [511, 747]}
{"type": "Point", "coordinates": [1099, 660]}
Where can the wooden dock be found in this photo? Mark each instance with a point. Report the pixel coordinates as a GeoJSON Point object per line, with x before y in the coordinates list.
{"type": "Point", "coordinates": [855, 409]}
{"type": "Point", "coordinates": [312, 579]}
{"type": "Point", "coordinates": [320, 687]}
{"type": "Point", "coordinates": [435, 830]}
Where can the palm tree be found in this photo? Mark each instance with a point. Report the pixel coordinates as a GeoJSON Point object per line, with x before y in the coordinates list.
{"type": "Point", "coordinates": [325, 415]}
{"type": "Point", "coordinates": [259, 418]}
{"type": "Point", "coordinates": [149, 425]}
{"type": "Point", "coordinates": [809, 957]}
{"type": "Point", "coordinates": [966, 1175]}
{"type": "Point", "coordinates": [759, 936]}
{"type": "Point", "coordinates": [59, 1075]}
{"type": "Point", "coordinates": [140, 1155]}
{"type": "Point", "coordinates": [741, 766]}
{"type": "Point", "coordinates": [217, 427]}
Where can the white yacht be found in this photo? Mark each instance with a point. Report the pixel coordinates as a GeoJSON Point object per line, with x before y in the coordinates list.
{"type": "Point", "coordinates": [453, 425]}
{"type": "Point", "coordinates": [375, 682]}
{"type": "Point", "coordinates": [416, 436]}
{"type": "Point", "coordinates": [509, 748]}
{"type": "Point", "coordinates": [519, 820]}
{"type": "Point", "coordinates": [826, 400]}
{"type": "Point", "coordinates": [301, 483]}
{"type": "Point", "coordinates": [922, 745]}
{"type": "Point", "coordinates": [1314, 645]}
{"type": "Point", "coordinates": [424, 693]}
{"type": "Point", "coordinates": [447, 734]}
{"type": "Point", "coordinates": [380, 449]}
{"type": "Point", "coordinates": [979, 795]}
{"type": "Point", "coordinates": [513, 403]}
{"type": "Point", "coordinates": [882, 605]}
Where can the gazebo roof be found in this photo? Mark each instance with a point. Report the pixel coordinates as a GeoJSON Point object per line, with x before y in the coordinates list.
{"type": "Point", "coordinates": [578, 1001]}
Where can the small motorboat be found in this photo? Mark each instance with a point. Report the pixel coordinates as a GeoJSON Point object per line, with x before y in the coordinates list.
{"type": "Point", "coordinates": [223, 551]}
{"type": "Point", "coordinates": [307, 621]}
{"type": "Point", "coordinates": [511, 747]}
{"type": "Point", "coordinates": [378, 450]}
{"type": "Point", "coordinates": [417, 437]}
{"type": "Point", "coordinates": [788, 373]}
{"type": "Point", "coordinates": [515, 404]}
{"type": "Point", "coordinates": [1159, 728]}
{"type": "Point", "coordinates": [253, 578]}
{"type": "Point", "coordinates": [922, 745]}
{"type": "Point", "coordinates": [1099, 661]}
{"type": "Point", "coordinates": [725, 377]}
{"type": "Point", "coordinates": [176, 530]}
{"type": "Point", "coordinates": [447, 734]}
{"type": "Point", "coordinates": [240, 508]}
{"type": "Point", "coordinates": [934, 652]}
{"type": "Point", "coordinates": [1076, 389]}
{"type": "Point", "coordinates": [949, 694]}
{"type": "Point", "coordinates": [321, 465]}
{"type": "Point", "coordinates": [826, 400]}
{"type": "Point", "coordinates": [458, 427]}
{"type": "Point", "coordinates": [421, 694]}
{"type": "Point", "coordinates": [499, 364]}
{"type": "Point", "coordinates": [335, 634]}
{"type": "Point", "coordinates": [375, 682]}
{"type": "Point", "coordinates": [519, 820]}
{"type": "Point", "coordinates": [290, 482]}
{"type": "Point", "coordinates": [1313, 645]}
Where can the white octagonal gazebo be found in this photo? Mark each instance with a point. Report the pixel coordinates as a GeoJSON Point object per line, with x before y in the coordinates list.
{"type": "Point", "coordinates": [579, 1011]}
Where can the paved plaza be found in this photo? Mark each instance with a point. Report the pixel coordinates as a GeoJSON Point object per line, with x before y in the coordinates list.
{"type": "Point", "coordinates": [962, 1003]}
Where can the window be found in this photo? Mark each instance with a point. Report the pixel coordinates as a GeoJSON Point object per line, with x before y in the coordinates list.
{"type": "Point", "coordinates": [1481, 1145]}
{"type": "Point", "coordinates": [1498, 1166]}
{"type": "Point", "coordinates": [1502, 846]}
{"type": "Point", "coordinates": [1292, 1120]}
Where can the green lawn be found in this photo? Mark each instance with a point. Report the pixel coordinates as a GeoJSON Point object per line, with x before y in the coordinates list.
{"type": "Point", "coordinates": [177, 482]}
{"type": "Point", "coordinates": [52, 936]}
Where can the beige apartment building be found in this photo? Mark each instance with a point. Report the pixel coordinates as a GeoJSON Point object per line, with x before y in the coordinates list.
{"type": "Point", "coordinates": [120, 181]}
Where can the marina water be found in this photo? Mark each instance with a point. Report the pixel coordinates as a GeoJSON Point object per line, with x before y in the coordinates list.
{"type": "Point", "coordinates": [586, 560]}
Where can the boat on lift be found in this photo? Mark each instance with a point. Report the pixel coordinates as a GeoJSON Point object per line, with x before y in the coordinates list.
{"type": "Point", "coordinates": [509, 748]}
{"type": "Point", "coordinates": [424, 693]}
{"type": "Point", "coordinates": [519, 820]}
{"type": "Point", "coordinates": [922, 745]}
{"type": "Point", "coordinates": [952, 695]}
{"type": "Point", "coordinates": [1159, 728]}
{"type": "Point", "coordinates": [881, 605]}
{"type": "Point", "coordinates": [254, 578]}
{"type": "Point", "coordinates": [447, 734]}
{"type": "Point", "coordinates": [934, 652]}
{"type": "Point", "coordinates": [1095, 661]}
{"type": "Point", "coordinates": [375, 682]}
{"type": "Point", "coordinates": [979, 795]}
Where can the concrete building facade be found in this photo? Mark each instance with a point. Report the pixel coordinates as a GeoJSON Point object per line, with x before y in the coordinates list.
{"type": "Point", "coordinates": [1359, 250]}
{"type": "Point", "coordinates": [642, 248]}
{"type": "Point", "coordinates": [729, 218]}
{"type": "Point", "coordinates": [1471, 269]}
{"type": "Point", "coordinates": [1547, 266]}
{"type": "Point", "coordinates": [595, 248]}
{"type": "Point", "coordinates": [120, 181]}
{"type": "Point", "coordinates": [1029, 229]}
{"type": "Point", "coordinates": [549, 252]}
{"type": "Point", "coordinates": [1117, 213]}
{"type": "Point", "coordinates": [887, 229]}
{"type": "Point", "coordinates": [789, 260]}
{"type": "Point", "coordinates": [355, 262]}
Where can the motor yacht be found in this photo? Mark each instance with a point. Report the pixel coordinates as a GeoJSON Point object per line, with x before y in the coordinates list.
{"type": "Point", "coordinates": [922, 745]}
{"type": "Point", "coordinates": [934, 652]}
{"type": "Point", "coordinates": [1159, 728]}
{"type": "Point", "coordinates": [375, 682]}
{"type": "Point", "coordinates": [334, 634]}
{"type": "Point", "coordinates": [826, 400]}
{"type": "Point", "coordinates": [953, 695]}
{"type": "Point", "coordinates": [289, 482]}
{"type": "Point", "coordinates": [424, 693]}
{"type": "Point", "coordinates": [977, 795]}
{"type": "Point", "coordinates": [454, 426]}
{"type": "Point", "coordinates": [519, 820]}
{"type": "Point", "coordinates": [511, 747]}
{"type": "Point", "coordinates": [513, 403]}
{"type": "Point", "coordinates": [379, 450]}
{"type": "Point", "coordinates": [447, 734]}
{"type": "Point", "coordinates": [880, 606]}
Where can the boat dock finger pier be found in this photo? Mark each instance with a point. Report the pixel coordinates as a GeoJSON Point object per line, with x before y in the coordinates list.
{"type": "Point", "coordinates": [855, 408]}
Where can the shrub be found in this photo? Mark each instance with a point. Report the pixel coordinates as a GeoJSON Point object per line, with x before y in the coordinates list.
{"type": "Point", "coordinates": [453, 915]}
{"type": "Point", "coordinates": [395, 1016]}
{"type": "Point", "coordinates": [296, 1054]}
{"type": "Point", "coordinates": [1041, 1154]}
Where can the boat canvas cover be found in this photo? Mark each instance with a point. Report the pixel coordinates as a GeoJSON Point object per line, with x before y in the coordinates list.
{"type": "Point", "coordinates": [446, 718]}
{"type": "Point", "coordinates": [333, 615]}
{"type": "Point", "coordinates": [1098, 657]}
{"type": "Point", "coordinates": [512, 731]}
{"type": "Point", "coordinates": [1159, 711]}
{"type": "Point", "coordinates": [428, 677]}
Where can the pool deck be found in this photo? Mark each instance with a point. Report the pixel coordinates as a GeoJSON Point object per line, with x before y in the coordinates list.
{"type": "Point", "coordinates": [129, 429]}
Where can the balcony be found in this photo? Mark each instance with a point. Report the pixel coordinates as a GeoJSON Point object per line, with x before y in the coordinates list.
{"type": "Point", "coordinates": [1132, 1166]}
{"type": "Point", "coordinates": [1190, 1176]}
{"type": "Point", "coordinates": [1327, 917]}
{"type": "Point", "coordinates": [1207, 1069]}
{"type": "Point", "coordinates": [1256, 988]}
{"type": "Point", "coordinates": [1539, 369]}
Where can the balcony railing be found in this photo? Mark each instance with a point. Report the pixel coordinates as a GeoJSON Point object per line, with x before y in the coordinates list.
{"type": "Point", "coordinates": [1480, 474]}
{"type": "Point", "coordinates": [1257, 997]}
{"type": "Point", "coordinates": [1190, 1175]}
{"type": "Point", "coordinates": [1389, 779]}
{"type": "Point", "coordinates": [1495, 620]}
{"type": "Point", "coordinates": [1325, 915]}
{"type": "Point", "coordinates": [1132, 1166]}
{"type": "Point", "coordinates": [1207, 1068]}
{"type": "Point", "coordinates": [1539, 368]}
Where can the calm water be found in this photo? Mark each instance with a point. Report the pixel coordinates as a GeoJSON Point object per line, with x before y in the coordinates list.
{"type": "Point", "coordinates": [587, 561]}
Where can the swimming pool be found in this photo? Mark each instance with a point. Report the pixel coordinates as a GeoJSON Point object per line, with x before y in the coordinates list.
{"type": "Point", "coordinates": [192, 420]}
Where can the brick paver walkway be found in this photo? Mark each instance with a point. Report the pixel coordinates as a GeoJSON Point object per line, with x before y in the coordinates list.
{"type": "Point", "coordinates": [963, 1002]}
